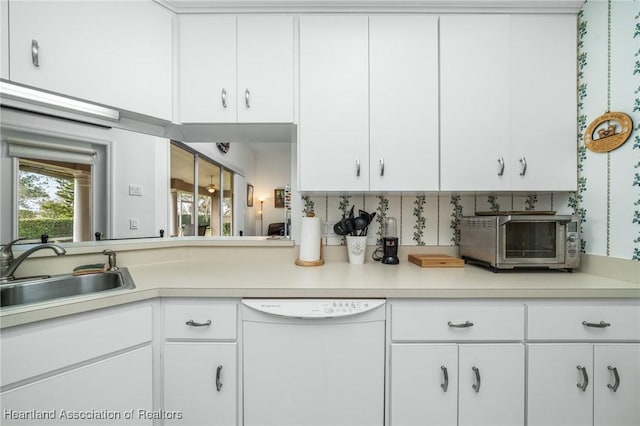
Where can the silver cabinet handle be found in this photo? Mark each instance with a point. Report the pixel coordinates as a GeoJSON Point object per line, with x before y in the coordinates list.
{"type": "Point", "coordinates": [224, 98]}
{"type": "Point", "coordinates": [218, 381]}
{"type": "Point", "coordinates": [585, 378]}
{"type": "Point", "coordinates": [193, 323]}
{"type": "Point", "coordinates": [476, 385]}
{"type": "Point", "coordinates": [500, 166]}
{"type": "Point", "coordinates": [445, 373]}
{"type": "Point", "coordinates": [523, 166]}
{"type": "Point", "coordinates": [246, 98]}
{"type": "Point", "coordinates": [35, 52]}
{"type": "Point", "coordinates": [381, 166]}
{"type": "Point", "coordinates": [600, 324]}
{"type": "Point", "coordinates": [614, 386]}
{"type": "Point", "coordinates": [465, 324]}
{"type": "Point", "coordinates": [358, 167]}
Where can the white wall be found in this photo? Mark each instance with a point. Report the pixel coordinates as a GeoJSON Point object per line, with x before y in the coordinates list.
{"type": "Point", "coordinates": [141, 160]}
{"type": "Point", "coordinates": [273, 170]}
{"type": "Point", "coordinates": [135, 158]}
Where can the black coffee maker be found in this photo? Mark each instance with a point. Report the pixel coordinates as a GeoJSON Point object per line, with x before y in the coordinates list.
{"type": "Point", "coordinates": [390, 242]}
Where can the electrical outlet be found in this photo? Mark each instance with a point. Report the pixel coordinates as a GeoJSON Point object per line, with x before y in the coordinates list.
{"type": "Point", "coordinates": [327, 229]}
{"type": "Point", "coordinates": [135, 190]}
{"type": "Point", "coordinates": [134, 223]}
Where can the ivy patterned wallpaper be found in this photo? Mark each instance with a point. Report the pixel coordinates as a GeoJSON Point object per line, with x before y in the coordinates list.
{"type": "Point", "coordinates": [608, 196]}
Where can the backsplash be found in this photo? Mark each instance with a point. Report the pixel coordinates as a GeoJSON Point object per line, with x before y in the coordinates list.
{"type": "Point", "coordinates": [431, 220]}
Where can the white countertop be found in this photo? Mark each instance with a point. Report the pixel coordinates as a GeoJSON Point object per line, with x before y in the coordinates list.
{"type": "Point", "coordinates": [273, 274]}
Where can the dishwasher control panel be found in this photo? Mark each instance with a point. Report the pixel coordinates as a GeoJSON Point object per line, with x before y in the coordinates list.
{"type": "Point", "coordinates": [313, 308]}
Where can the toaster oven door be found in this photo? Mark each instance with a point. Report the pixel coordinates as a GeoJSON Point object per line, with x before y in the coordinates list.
{"type": "Point", "coordinates": [538, 242]}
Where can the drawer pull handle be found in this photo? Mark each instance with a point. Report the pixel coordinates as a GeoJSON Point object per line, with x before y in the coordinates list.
{"type": "Point", "coordinates": [35, 53]}
{"type": "Point", "coordinates": [585, 377]}
{"type": "Point", "coordinates": [476, 385]}
{"type": "Point", "coordinates": [445, 373]}
{"type": "Point", "coordinates": [192, 323]}
{"type": "Point", "coordinates": [523, 166]}
{"type": "Point", "coordinates": [246, 98]}
{"type": "Point", "coordinates": [218, 381]}
{"type": "Point", "coordinates": [614, 386]}
{"type": "Point", "coordinates": [600, 324]}
{"type": "Point", "coordinates": [465, 324]}
{"type": "Point", "coordinates": [224, 98]}
{"type": "Point", "coordinates": [500, 166]}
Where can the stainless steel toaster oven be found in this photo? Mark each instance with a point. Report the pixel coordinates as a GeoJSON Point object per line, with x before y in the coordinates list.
{"type": "Point", "coordinates": [521, 241]}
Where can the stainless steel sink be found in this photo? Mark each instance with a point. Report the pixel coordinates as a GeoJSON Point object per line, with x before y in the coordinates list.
{"type": "Point", "coordinates": [44, 289]}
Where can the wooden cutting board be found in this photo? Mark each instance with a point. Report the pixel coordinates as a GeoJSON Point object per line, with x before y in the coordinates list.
{"type": "Point", "coordinates": [436, 261]}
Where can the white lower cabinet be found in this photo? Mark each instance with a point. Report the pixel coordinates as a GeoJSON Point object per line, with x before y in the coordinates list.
{"type": "Point", "coordinates": [200, 383]}
{"type": "Point", "coordinates": [583, 364]}
{"type": "Point", "coordinates": [449, 384]}
{"type": "Point", "coordinates": [573, 384]}
{"type": "Point", "coordinates": [89, 368]}
{"type": "Point", "coordinates": [424, 384]}
{"type": "Point", "coordinates": [114, 391]}
{"type": "Point", "coordinates": [200, 362]}
{"type": "Point", "coordinates": [456, 363]}
{"type": "Point", "coordinates": [491, 384]}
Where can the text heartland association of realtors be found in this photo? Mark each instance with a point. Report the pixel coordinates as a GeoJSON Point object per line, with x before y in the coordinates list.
{"type": "Point", "coordinates": [62, 414]}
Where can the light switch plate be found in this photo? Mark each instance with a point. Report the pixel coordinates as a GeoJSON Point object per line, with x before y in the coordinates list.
{"type": "Point", "coordinates": [135, 190]}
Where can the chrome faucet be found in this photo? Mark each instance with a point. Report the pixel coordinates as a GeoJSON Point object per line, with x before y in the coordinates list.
{"type": "Point", "coordinates": [9, 264]}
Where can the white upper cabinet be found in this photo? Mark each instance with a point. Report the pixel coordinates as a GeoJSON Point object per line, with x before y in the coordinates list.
{"type": "Point", "coordinates": [265, 69]}
{"type": "Point", "coordinates": [334, 103]}
{"type": "Point", "coordinates": [368, 103]}
{"type": "Point", "coordinates": [114, 53]}
{"type": "Point", "coordinates": [235, 69]}
{"type": "Point", "coordinates": [508, 102]}
{"type": "Point", "coordinates": [403, 103]}
{"type": "Point", "coordinates": [207, 68]}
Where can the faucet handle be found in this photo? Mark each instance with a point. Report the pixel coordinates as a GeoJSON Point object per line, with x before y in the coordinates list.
{"type": "Point", "coordinates": [112, 259]}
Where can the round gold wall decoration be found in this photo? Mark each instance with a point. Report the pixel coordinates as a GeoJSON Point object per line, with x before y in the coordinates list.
{"type": "Point", "coordinates": [616, 132]}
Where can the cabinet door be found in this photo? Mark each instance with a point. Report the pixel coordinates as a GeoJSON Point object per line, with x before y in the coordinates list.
{"type": "Point", "coordinates": [474, 103]}
{"type": "Point", "coordinates": [265, 69]}
{"type": "Point", "coordinates": [491, 384]}
{"type": "Point", "coordinates": [334, 103]}
{"type": "Point", "coordinates": [119, 386]}
{"type": "Point", "coordinates": [114, 53]}
{"type": "Point", "coordinates": [190, 383]}
{"type": "Point", "coordinates": [542, 102]}
{"type": "Point", "coordinates": [207, 69]}
{"type": "Point", "coordinates": [556, 382]}
{"type": "Point", "coordinates": [403, 72]}
{"type": "Point", "coordinates": [617, 407]}
{"type": "Point", "coordinates": [424, 385]}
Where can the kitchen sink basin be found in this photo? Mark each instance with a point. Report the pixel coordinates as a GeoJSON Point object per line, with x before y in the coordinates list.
{"type": "Point", "coordinates": [24, 292]}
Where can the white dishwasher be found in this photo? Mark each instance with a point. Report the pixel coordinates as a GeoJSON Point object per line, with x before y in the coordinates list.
{"type": "Point", "coordinates": [313, 362]}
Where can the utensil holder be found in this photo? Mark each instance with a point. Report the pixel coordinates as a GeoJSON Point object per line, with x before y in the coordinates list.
{"type": "Point", "coordinates": [356, 249]}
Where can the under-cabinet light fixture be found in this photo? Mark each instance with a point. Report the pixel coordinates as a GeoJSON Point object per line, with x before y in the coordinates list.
{"type": "Point", "coordinates": [22, 93]}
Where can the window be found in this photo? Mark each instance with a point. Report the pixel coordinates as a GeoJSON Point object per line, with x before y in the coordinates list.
{"type": "Point", "coordinates": [58, 183]}
{"type": "Point", "coordinates": [209, 213]}
{"type": "Point", "coordinates": [54, 201]}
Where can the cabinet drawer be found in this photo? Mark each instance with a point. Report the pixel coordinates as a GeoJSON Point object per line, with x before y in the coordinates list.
{"type": "Point", "coordinates": [456, 322]}
{"type": "Point", "coordinates": [39, 348]}
{"type": "Point", "coordinates": [584, 322]}
{"type": "Point", "coordinates": [200, 320]}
